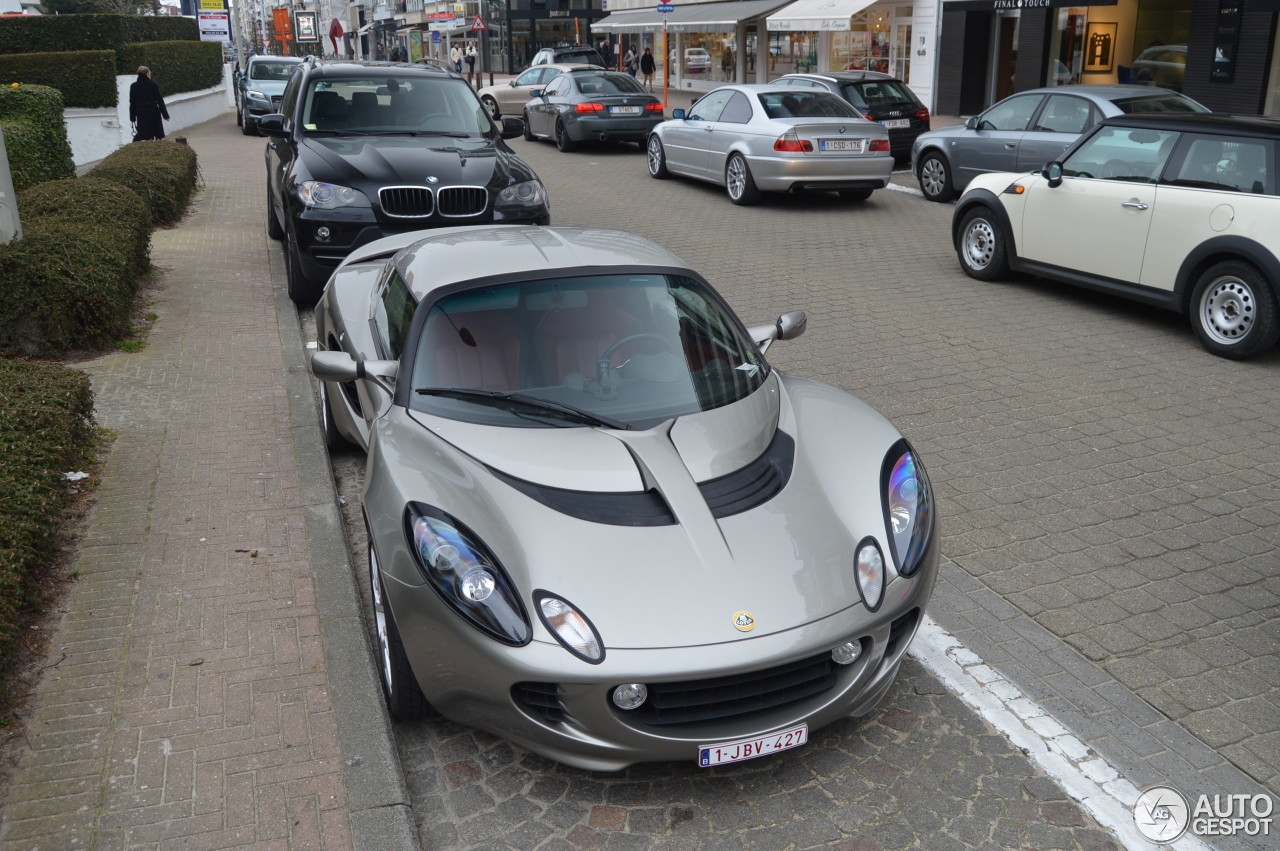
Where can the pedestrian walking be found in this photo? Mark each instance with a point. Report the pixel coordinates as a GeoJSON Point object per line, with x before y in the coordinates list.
{"type": "Point", "coordinates": [629, 61]}
{"type": "Point", "coordinates": [471, 62]}
{"type": "Point", "coordinates": [455, 56]}
{"type": "Point", "coordinates": [648, 67]}
{"type": "Point", "coordinates": [146, 107]}
{"type": "Point", "coordinates": [606, 53]}
{"type": "Point", "coordinates": [396, 56]}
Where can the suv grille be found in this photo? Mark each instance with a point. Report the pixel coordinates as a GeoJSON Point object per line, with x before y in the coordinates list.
{"type": "Point", "coordinates": [275, 102]}
{"type": "Point", "coordinates": [462, 200]}
{"type": "Point", "coordinates": [698, 701]}
{"type": "Point", "coordinates": [408, 201]}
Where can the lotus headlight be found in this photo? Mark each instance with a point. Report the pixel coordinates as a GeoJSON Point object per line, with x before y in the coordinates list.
{"type": "Point", "coordinates": [908, 507]}
{"type": "Point", "coordinates": [570, 627]}
{"type": "Point", "coordinates": [330, 196]}
{"type": "Point", "coordinates": [465, 574]}
{"type": "Point", "coordinates": [530, 193]}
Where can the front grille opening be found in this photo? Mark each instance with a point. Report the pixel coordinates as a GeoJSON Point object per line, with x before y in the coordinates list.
{"type": "Point", "coordinates": [406, 201]}
{"type": "Point", "coordinates": [455, 201]}
{"type": "Point", "coordinates": [899, 631]}
{"type": "Point", "coordinates": [542, 700]}
{"type": "Point", "coordinates": [735, 697]}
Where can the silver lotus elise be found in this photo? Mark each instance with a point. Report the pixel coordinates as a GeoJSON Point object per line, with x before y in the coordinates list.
{"type": "Point", "coordinates": [601, 525]}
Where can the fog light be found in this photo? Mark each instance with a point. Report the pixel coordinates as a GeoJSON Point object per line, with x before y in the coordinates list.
{"type": "Point", "coordinates": [323, 234]}
{"type": "Point", "coordinates": [630, 695]}
{"type": "Point", "coordinates": [847, 654]}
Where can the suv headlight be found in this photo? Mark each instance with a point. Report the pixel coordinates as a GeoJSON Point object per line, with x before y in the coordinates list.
{"type": "Point", "coordinates": [256, 95]}
{"type": "Point", "coordinates": [329, 196]}
{"type": "Point", "coordinates": [530, 193]}
{"type": "Point", "coordinates": [908, 507]}
{"type": "Point", "coordinates": [465, 574]}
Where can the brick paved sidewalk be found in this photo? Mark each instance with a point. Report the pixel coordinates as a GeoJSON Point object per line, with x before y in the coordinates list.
{"type": "Point", "coordinates": [199, 698]}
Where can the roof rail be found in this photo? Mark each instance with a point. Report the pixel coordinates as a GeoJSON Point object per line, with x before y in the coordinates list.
{"type": "Point", "coordinates": [438, 64]}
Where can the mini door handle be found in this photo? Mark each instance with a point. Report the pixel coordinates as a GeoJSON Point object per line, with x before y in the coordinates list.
{"type": "Point", "coordinates": [1134, 205]}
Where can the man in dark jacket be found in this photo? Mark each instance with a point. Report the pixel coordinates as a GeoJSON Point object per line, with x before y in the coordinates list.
{"type": "Point", "coordinates": [146, 107]}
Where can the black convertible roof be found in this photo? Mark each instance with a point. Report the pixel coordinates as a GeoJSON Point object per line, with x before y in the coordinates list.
{"type": "Point", "coordinates": [1238, 125]}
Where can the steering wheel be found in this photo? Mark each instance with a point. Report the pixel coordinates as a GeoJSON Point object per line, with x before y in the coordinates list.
{"type": "Point", "coordinates": [1115, 168]}
{"type": "Point", "coordinates": [432, 116]}
{"type": "Point", "coordinates": [607, 355]}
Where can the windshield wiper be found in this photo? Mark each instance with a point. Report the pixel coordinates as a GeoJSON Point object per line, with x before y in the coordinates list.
{"type": "Point", "coordinates": [561, 408]}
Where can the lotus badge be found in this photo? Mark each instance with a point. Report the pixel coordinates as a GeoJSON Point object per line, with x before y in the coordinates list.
{"type": "Point", "coordinates": [743, 622]}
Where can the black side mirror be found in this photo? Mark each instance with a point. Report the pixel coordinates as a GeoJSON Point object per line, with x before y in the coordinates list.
{"type": "Point", "coordinates": [1052, 173]}
{"type": "Point", "coordinates": [512, 127]}
{"type": "Point", "coordinates": [272, 125]}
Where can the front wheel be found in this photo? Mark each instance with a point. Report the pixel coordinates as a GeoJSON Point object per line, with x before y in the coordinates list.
{"type": "Point", "coordinates": [302, 291]}
{"type": "Point", "coordinates": [935, 178]}
{"type": "Point", "coordinates": [739, 182]}
{"type": "Point", "coordinates": [239, 117]}
{"type": "Point", "coordinates": [405, 700]}
{"type": "Point", "coordinates": [563, 142]}
{"type": "Point", "coordinates": [657, 159]}
{"type": "Point", "coordinates": [333, 439]}
{"type": "Point", "coordinates": [980, 245]}
{"type": "Point", "coordinates": [528, 129]}
{"type": "Point", "coordinates": [1233, 310]}
{"type": "Point", "coordinates": [274, 231]}
{"type": "Point", "coordinates": [491, 106]}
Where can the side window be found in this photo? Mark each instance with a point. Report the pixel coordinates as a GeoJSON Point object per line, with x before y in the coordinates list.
{"type": "Point", "coordinates": [1224, 163]}
{"type": "Point", "coordinates": [738, 110]}
{"type": "Point", "coordinates": [530, 78]}
{"type": "Point", "coordinates": [1122, 153]}
{"type": "Point", "coordinates": [392, 315]}
{"type": "Point", "coordinates": [1012, 114]}
{"type": "Point", "coordinates": [710, 107]}
{"type": "Point", "coordinates": [1065, 114]}
{"type": "Point", "coordinates": [290, 101]}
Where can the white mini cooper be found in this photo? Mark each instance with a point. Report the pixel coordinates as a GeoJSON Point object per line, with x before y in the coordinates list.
{"type": "Point", "coordinates": [1175, 211]}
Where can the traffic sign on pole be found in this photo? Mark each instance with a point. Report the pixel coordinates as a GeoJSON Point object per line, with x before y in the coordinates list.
{"type": "Point", "coordinates": [666, 8]}
{"type": "Point", "coordinates": [479, 24]}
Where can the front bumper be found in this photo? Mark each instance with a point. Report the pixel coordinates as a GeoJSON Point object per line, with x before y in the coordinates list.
{"type": "Point", "coordinates": [484, 684]}
{"type": "Point", "coordinates": [819, 173]}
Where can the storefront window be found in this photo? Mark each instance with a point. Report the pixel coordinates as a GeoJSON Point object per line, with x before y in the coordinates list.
{"type": "Point", "coordinates": [705, 56]}
{"type": "Point", "coordinates": [879, 39]}
{"type": "Point", "coordinates": [1160, 43]}
{"type": "Point", "coordinates": [1066, 53]}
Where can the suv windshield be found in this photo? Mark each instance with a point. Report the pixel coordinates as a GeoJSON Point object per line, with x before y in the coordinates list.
{"type": "Point", "coordinates": [587, 56]}
{"type": "Point", "coordinates": [278, 71]}
{"type": "Point", "coordinates": [627, 349]}
{"type": "Point", "coordinates": [391, 105]}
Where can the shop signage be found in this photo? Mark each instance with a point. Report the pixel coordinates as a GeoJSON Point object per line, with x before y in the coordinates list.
{"type": "Point", "coordinates": [306, 26]}
{"type": "Point", "coordinates": [810, 24]}
{"type": "Point", "coordinates": [1226, 38]}
{"type": "Point", "coordinates": [998, 5]}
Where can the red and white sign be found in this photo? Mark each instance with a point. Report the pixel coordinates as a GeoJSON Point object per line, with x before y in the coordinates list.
{"type": "Point", "coordinates": [479, 24]}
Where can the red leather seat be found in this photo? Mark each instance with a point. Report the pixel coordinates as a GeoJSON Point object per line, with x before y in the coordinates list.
{"type": "Point", "coordinates": [478, 350]}
{"type": "Point", "coordinates": [572, 339]}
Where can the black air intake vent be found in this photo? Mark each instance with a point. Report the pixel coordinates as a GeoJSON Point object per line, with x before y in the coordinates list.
{"type": "Point", "coordinates": [636, 508]}
{"type": "Point", "coordinates": [756, 483]}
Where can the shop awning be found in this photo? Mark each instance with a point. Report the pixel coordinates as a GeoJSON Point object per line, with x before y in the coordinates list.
{"type": "Point", "coordinates": [689, 17]}
{"type": "Point", "coordinates": [831, 15]}
{"type": "Point", "coordinates": [1001, 5]}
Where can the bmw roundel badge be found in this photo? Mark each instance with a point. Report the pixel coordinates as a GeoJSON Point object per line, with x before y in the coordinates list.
{"type": "Point", "coordinates": [431, 178]}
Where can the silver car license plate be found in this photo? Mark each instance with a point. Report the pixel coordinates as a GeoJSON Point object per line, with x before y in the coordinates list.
{"type": "Point", "coordinates": [851, 145]}
{"type": "Point", "coordinates": [624, 110]}
{"type": "Point", "coordinates": [896, 123]}
{"type": "Point", "coordinates": [744, 749]}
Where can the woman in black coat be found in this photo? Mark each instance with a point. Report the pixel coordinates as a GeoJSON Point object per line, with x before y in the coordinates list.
{"type": "Point", "coordinates": [146, 107]}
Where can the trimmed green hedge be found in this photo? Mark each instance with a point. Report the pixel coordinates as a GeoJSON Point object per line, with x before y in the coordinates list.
{"type": "Point", "coordinates": [35, 136]}
{"type": "Point", "coordinates": [94, 199]}
{"type": "Point", "coordinates": [46, 430]}
{"type": "Point", "coordinates": [60, 33]}
{"type": "Point", "coordinates": [85, 78]}
{"type": "Point", "coordinates": [176, 66]}
{"type": "Point", "coordinates": [163, 173]}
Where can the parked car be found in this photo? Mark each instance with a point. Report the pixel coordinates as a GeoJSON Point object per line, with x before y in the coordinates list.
{"type": "Point", "coordinates": [259, 89]}
{"type": "Point", "coordinates": [600, 523]}
{"type": "Point", "coordinates": [578, 54]}
{"type": "Point", "coordinates": [1175, 211]}
{"type": "Point", "coordinates": [696, 60]}
{"type": "Point", "coordinates": [510, 97]}
{"type": "Point", "coordinates": [877, 97]}
{"type": "Point", "coordinates": [1026, 130]}
{"type": "Point", "coordinates": [759, 138]}
{"type": "Point", "coordinates": [361, 150]}
{"type": "Point", "coordinates": [580, 106]}
{"type": "Point", "coordinates": [1164, 66]}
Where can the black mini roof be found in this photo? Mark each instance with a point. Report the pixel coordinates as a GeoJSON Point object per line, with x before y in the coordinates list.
{"type": "Point", "coordinates": [1240, 125]}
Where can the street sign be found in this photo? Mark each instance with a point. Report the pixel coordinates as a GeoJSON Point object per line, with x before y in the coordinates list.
{"type": "Point", "coordinates": [479, 24]}
{"type": "Point", "coordinates": [666, 8]}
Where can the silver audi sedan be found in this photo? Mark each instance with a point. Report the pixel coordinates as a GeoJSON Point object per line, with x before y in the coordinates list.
{"type": "Point", "coordinates": [601, 524]}
{"type": "Point", "coordinates": [765, 138]}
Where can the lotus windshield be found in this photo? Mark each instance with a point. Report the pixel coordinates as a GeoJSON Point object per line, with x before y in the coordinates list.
{"type": "Point", "coordinates": [633, 350]}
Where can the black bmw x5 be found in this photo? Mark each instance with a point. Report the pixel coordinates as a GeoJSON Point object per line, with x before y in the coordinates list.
{"type": "Point", "coordinates": [362, 150]}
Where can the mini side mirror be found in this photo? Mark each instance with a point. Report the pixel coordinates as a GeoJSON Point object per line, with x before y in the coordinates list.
{"type": "Point", "coordinates": [677, 113]}
{"type": "Point", "coordinates": [1052, 173]}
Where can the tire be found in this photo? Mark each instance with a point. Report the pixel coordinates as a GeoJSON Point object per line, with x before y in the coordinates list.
{"type": "Point", "coordinates": [302, 291]}
{"type": "Point", "coordinates": [739, 183]}
{"type": "Point", "coordinates": [855, 194]}
{"type": "Point", "coordinates": [239, 117]}
{"type": "Point", "coordinates": [491, 106]}
{"type": "Point", "coordinates": [1233, 310]}
{"type": "Point", "coordinates": [657, 159]}
{"type": "Point", "coordinates": [273, 225]}
{"type": "Point", "coordinates": [404, 697]}
{"type": "Point", "coordinates": [563, 142]}
{"type": "Point", "coordinates": [333, 439]}
{"type": "Point", "coordinates": [528, 130]}
{"type": "Point", "coordinates": [981, 246]}
{"type": "Point", "coordinates": [247, 127]}
{"type": "Point", "coordinates": [935, 178]}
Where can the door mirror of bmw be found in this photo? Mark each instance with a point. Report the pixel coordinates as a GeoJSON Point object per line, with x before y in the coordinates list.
{"type": "Point", "coordinates": [341, 367]}
{"type": "Point", "coordinates": [677, 113]}
{"type": "Point", "coordinates": [272, 125]}
{"type": "Point", "coordinates": [1052, 173]}
{"type": "Point", "coordinates": [512, 127]}
{"type": "Point", "coordinates": [536, 93]}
